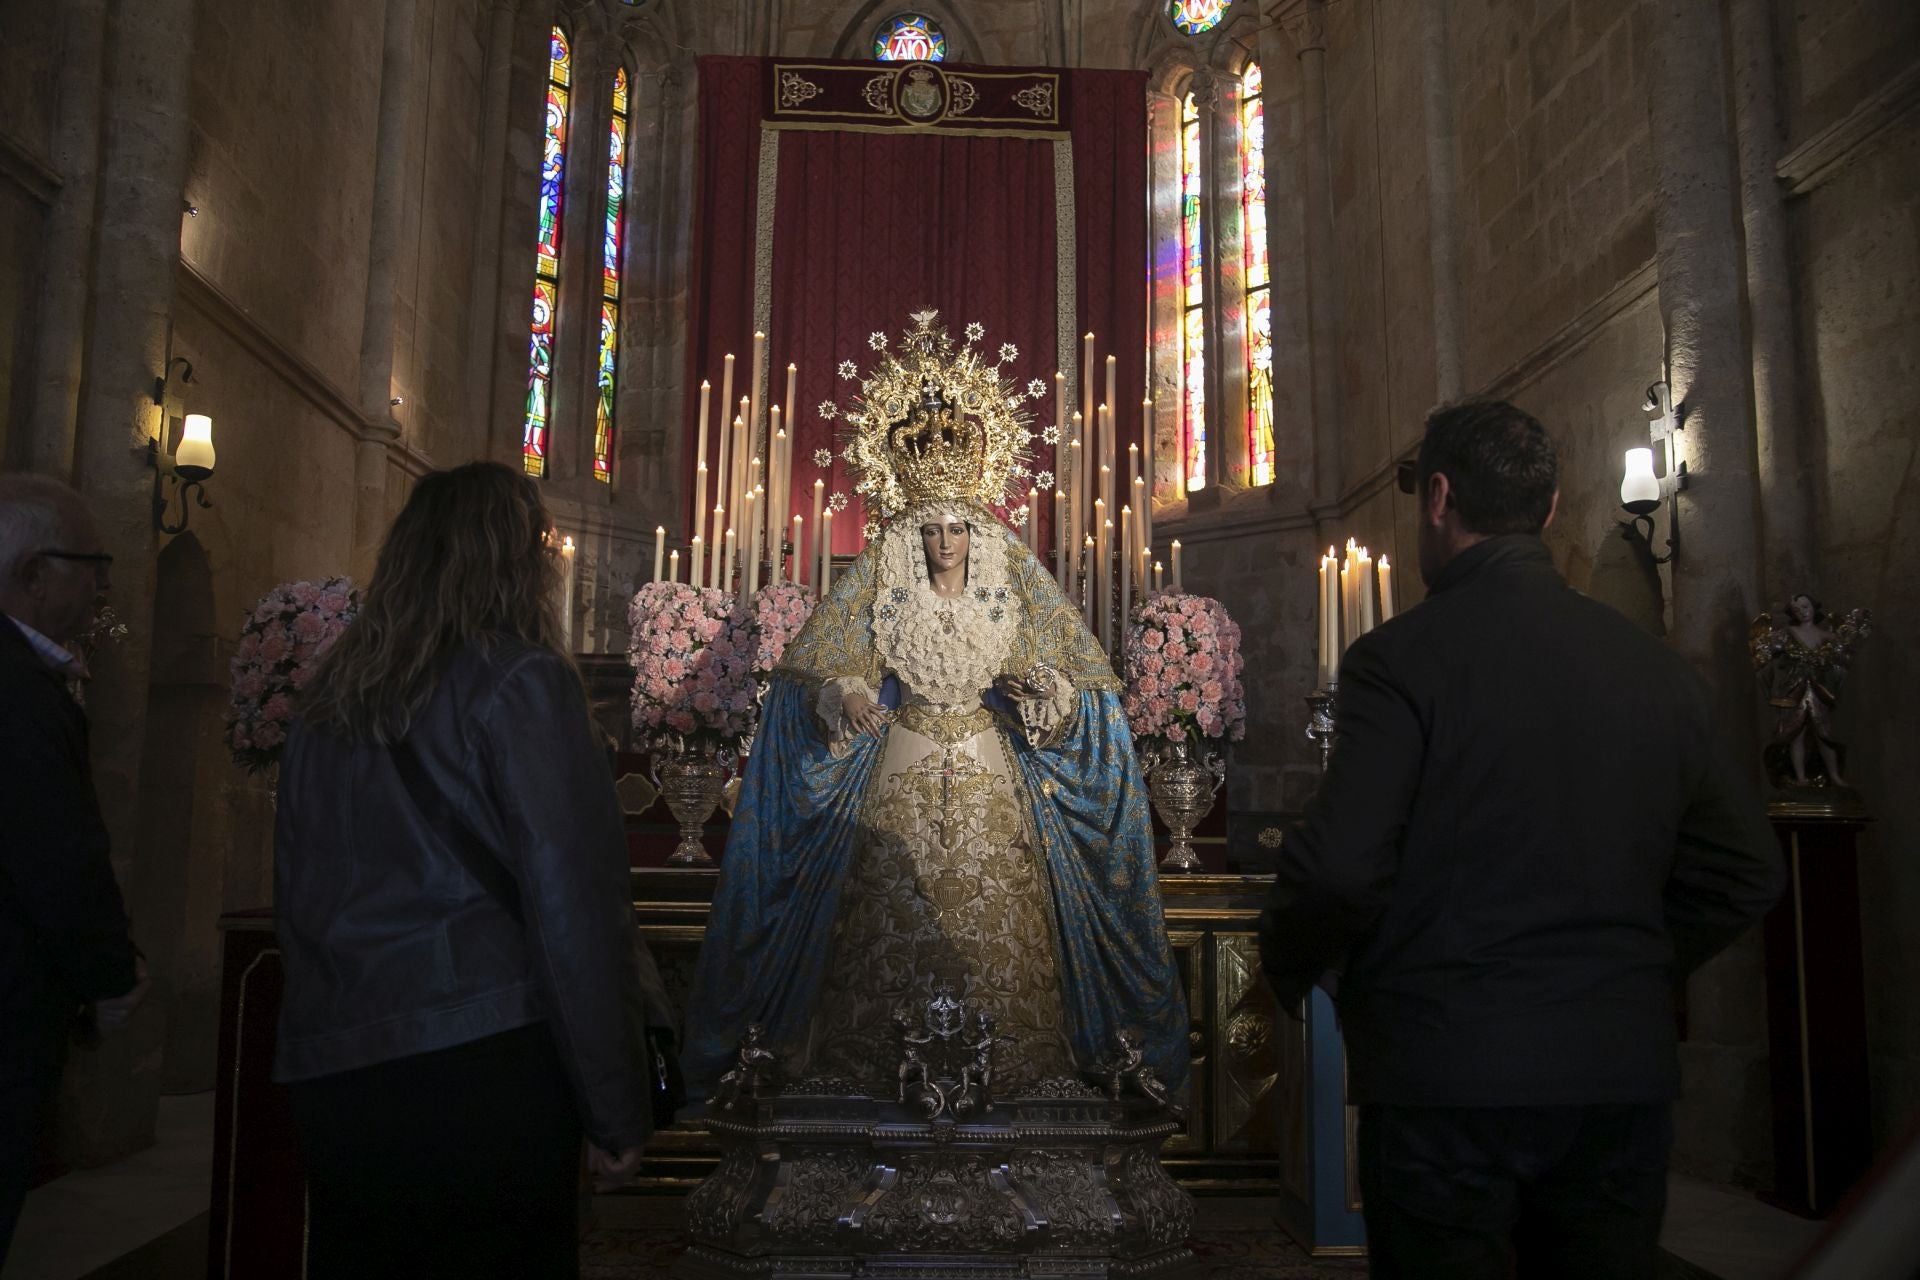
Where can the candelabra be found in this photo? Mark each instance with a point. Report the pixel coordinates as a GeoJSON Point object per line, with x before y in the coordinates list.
{"type": "Point", "coordinates": [1320, 722]}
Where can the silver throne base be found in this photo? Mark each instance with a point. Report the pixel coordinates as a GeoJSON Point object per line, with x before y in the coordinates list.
{"type": "Point", "coordinates": [817, 1185]}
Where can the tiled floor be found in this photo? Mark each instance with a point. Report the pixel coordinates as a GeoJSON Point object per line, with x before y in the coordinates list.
{"type": "Point", "coordinates": [84, 1221]}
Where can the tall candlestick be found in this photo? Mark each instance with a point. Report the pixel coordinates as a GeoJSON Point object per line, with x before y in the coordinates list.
{"type": "Point", "coordinates": [1104, 490]}
{"type": "Point", "coordinates": [1159, 576]}
{"type": "Point", "coordinates": [726, 402]}
{"type": "Point", "coordinates": [1059, 422]}
{"type": "Point", "coordinates": [1100, 572]}
{"type": "Point", "coordinates": [659, 550]}
{"type": "Point", "coordinates": [1086, 584]}
{"type": "Point", "coordinates": [1386, 589]}
{"type": "Point", "coordinates": [826, 551]}
{"type": "Point", "coordinates": [714, 576]}
{"type": "Point", "coordinates": [1363, 583]}
{"type": "Point", "coordinates": [673, 565]}
{"type": "Point", "coordinates": [1324, 616]}
{"type": "Point", "coordinates": [726, 572]}
{"type": "Point", "coordinates": [776, 513]}
{"type": "Point", "coordinates": [1140, 550]}
{"type": "Point", "coordinates": [1104, 458]}
{"type": "Point", "coordinates": [699, 521]}
{"type": "Point", "coordinates": [799, 544]}
{"type": "Point", "coordinates": [742, 450]}
{"type": "Point", "coordinates": [1087, 376]}
{"type": "Point", "coordinates": [792, 400]}
{"type": "Point", "coordinates": [819, 498]}
{"type": "Point", "coordinates": [695, 555]}
{"type": "Point", "coordinates": [723, 474]}
{"type": "Point", "coordinates": [1076, 517]}
{"type": "Point", "coordinates": [1106, 585]}
{"type": "Point", "coordinates": [1349, 614]}
{"type": "Point", "coordinates": [1126, 569]}
{"type": "Point", "coordinates": [1179, 584]}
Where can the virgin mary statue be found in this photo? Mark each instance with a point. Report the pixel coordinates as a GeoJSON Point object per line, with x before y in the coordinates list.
{"type": "Point", "coordinates": [943, 795]}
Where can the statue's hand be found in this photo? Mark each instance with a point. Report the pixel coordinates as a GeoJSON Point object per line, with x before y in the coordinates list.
{"type": "Point", "coordinates": [863, 714]}
{"type": "Point", "coordinates": [1015, 687]}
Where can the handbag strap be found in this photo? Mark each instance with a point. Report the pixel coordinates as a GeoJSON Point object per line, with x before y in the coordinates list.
{"type": "Point", "coordinates": [444, 818]}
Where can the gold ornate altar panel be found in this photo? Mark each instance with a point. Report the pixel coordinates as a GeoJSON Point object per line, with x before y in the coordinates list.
{"type": "Point", "coordinates": [1232, 1140]}
{"type": "Point", "coordinates": [944, 893]}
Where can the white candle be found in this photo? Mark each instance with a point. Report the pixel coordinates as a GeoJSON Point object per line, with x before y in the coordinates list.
{"type": "Point", "coordinates": [1100, 570]}
{"type": "Point", "coordinates": [715, 578]}
{"type": "Point", "coordinates": [1178, 582]}
{"type": "Point", "coordinates": [750, 571]}
{"type": "Point", "coordinates": [1146, 508]}
{"type": "Point", "coordinates": [695, 555]}
{"type": "Point", "coordinates": [1159, 576]}
{"type": "Point", "coordinates": [813, 561]}
{"type": "Point", "coordinates": [566, 594]}
{"type": "Point", "coordinates": [742, 450]}
{"type": "Point", "coordinates": [700, 459]}
{"type": "Point", "coordinates": [826, 551]}
{"type": "Point", "coordinates": [673, 565]}
{"type": "Point", "coordinates": [756, 391]}
{"type": "Point", "coordinates": [1139, 548]}
{"type": "Point", "coordinates": [1076, 518]}
{"type": "Point", "coordinates": [726, 395]}
{"type": "Point", "coordinates": [1386, 589]}
{"type": "Point", "coordinates": [1033, 519]}
{"type": "Point", "coordinates": [1107, 543]}
{"type": "Point", "coordinates": [1363, 583]}
{"type": "Point", "coordinates": [799, 541]}
{"type": "Point", "coordinates": [1322, 615]}
{"type": "Point", "coordinates": [659, 551]}
{"type": "Point", "coordinates": [1112, 456]}
{"type": "Point", "coordinates": [793, 392]}
{"type": "Point", "coordinates": [1126, 571]}
{"type": "Point", "coordinates": [1087, 376]}
{"type": "Point", "coordinates": [699, 522]}
{"type": "Point", "coordinates": [726, 573]}
{"type": "Point", "coordinates": [1103, 451]}
{"type": "Point", "coordinates": [1348, 614]}
{"type": "Point", "coordinates": [723, 471]}
{"type": "Point", "coordinates": [1105, 491]}
{"type": "Point", "coordinates": [776, 512]}
{"type": "Point", "coordinates": [1060, 423]}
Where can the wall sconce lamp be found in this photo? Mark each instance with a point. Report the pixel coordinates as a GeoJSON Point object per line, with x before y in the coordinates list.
{"type": "Point", "coordinates": [189, 466]}
{"type": "Point", "coordinates": [1641, 489]}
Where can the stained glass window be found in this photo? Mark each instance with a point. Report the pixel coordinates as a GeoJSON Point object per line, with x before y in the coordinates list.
{"type": "Point", "coordinates": [1191, 17]}
{"type": "Point", "coordinates": [610, 282]}
{"type": "Point", "coordinates": [1253, 199]}
{"type": "Point", "coordinates": [1193, 296]}
{"type": "Point", "coordinates": [546, 283]}
{"type": "Point", "coordinates": [910, 37]}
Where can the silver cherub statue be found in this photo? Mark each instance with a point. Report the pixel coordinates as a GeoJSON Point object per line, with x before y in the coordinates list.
{"type": "Point", "coordinates": [1802, 655]}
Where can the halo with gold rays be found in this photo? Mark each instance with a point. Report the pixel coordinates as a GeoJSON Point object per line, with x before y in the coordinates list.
{"type": "Point", "coordinates": [966, 376]}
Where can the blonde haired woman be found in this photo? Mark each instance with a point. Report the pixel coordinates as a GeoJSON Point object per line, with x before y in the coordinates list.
{"type": "Point", "coordinates": [451, 898]}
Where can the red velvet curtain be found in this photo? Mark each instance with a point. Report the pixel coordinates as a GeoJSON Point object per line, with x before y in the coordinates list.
{"type": "Point", "coordinates": [869, 225]}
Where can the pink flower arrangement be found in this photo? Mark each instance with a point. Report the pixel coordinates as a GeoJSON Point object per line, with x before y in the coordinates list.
{"type": "Point", "coordinates": [1183, 669]}
{"type": "Point", "coordinates": [281, 641]}
{"type": "Point", "coordinates": [692, 654]}
{"type": "Point", "coordinates": [778, 611]}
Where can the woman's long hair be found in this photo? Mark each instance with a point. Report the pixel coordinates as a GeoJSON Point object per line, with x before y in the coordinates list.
{"type": "Point", "coordinates": [469, 560]}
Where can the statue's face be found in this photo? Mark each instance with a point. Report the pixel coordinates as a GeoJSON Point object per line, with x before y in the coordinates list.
{"type": "Point", "coordinates": [944, 539]}
{"type": "Point", "coordinates": [1801, 609]}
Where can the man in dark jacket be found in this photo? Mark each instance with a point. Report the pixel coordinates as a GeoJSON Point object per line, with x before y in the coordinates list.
{"type": "Point", "coordinates": [63, 930]}
{"type": "Point", "coordinates": [1525, 840]}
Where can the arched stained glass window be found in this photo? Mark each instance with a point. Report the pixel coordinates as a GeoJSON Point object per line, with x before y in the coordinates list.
{"type": "Point", "coordinates": [614, 243]}
{"type": "Point", "coordinates": [1191, 17]}
{"type": "Point", "coordinates": [546, 282]}
{"type": "Point", "coordinates": [1253, 200]}
{"type": "Point", "coordinates": [910, 37]}
{"type": "Point", "coordinates": [1193, 297]}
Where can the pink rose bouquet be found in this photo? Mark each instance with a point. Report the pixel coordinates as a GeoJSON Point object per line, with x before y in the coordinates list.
{"type": "Point", "coordinates": [778, 611]}
{"type": "Point", "coordinates": [692, 656]}
{"type": "Point", "coordinates": [1183, 669]}
{"type": "Point", "coordinates": [281, 641]}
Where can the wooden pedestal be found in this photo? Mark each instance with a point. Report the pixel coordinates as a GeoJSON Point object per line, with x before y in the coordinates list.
{"type": "Point", "coordinates": [1816, 1012]}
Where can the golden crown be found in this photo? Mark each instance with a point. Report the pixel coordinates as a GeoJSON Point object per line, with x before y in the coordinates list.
{"type": "Point", "coordinates": [936, 422]}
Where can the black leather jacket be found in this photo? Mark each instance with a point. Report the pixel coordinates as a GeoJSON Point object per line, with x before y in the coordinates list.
{"type": "Point", "coordinates": [393, 948]}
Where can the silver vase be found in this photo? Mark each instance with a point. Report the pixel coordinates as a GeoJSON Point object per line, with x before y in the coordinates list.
{"type": "Point", "coordinates": [1181, 783]}
{"type": "Point", "coordinates": [691, 783]}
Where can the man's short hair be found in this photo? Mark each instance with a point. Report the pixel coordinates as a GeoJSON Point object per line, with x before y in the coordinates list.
{"type": "Point", "coordinates": [36, 513]}
{"type": "Point", "coordinates": [1500, 465]}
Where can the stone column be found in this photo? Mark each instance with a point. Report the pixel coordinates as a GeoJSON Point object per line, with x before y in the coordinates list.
{"type": "Point", "coordinates": [1310, 31]}
{"type": "Point", "coordinates": [1443, 200]}
{"type": "Point", "coordinates": [483, 287]}
{"type": "Point", "coordinates": [1786, 499]}
{"type": "Point", "coordinates": [1225, 231]}
{"type": "Point", "coordinates": [136, 250]}
{"type": "Point", "coordinates": [1722, 1124]}
{"type": "Point", "coordinates": [60, 334]}
{"type": "Point", "coordinates": [385, 230]}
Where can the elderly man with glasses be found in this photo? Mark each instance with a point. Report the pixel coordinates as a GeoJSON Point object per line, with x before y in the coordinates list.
{"type": "Point", "coordinates": [64, 944]}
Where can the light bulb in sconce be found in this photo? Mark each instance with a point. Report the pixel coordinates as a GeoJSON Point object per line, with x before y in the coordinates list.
{"type": "Point", "coordinates": [1640, 489]}
{"type": "Point", "coordinates": [193, 460]}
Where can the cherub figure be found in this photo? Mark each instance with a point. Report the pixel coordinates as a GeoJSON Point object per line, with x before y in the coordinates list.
{"type": "Point", "coordinates": [1802, 658]}
{"type": "Point", "coordinates": [913, 1064]}
{"type": "Point", "coordinates": [979, 1072]}
{"type": "Point", "coordinates": [757, 1065]}
{"type": "Point", "coordinates": [1128, 1068]}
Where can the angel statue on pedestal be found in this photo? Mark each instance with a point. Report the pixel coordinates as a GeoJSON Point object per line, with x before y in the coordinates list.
{"type": "Point", "coordinates": [1802, 657]}
{"type": "Point", "coordinates": [943, 793]}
